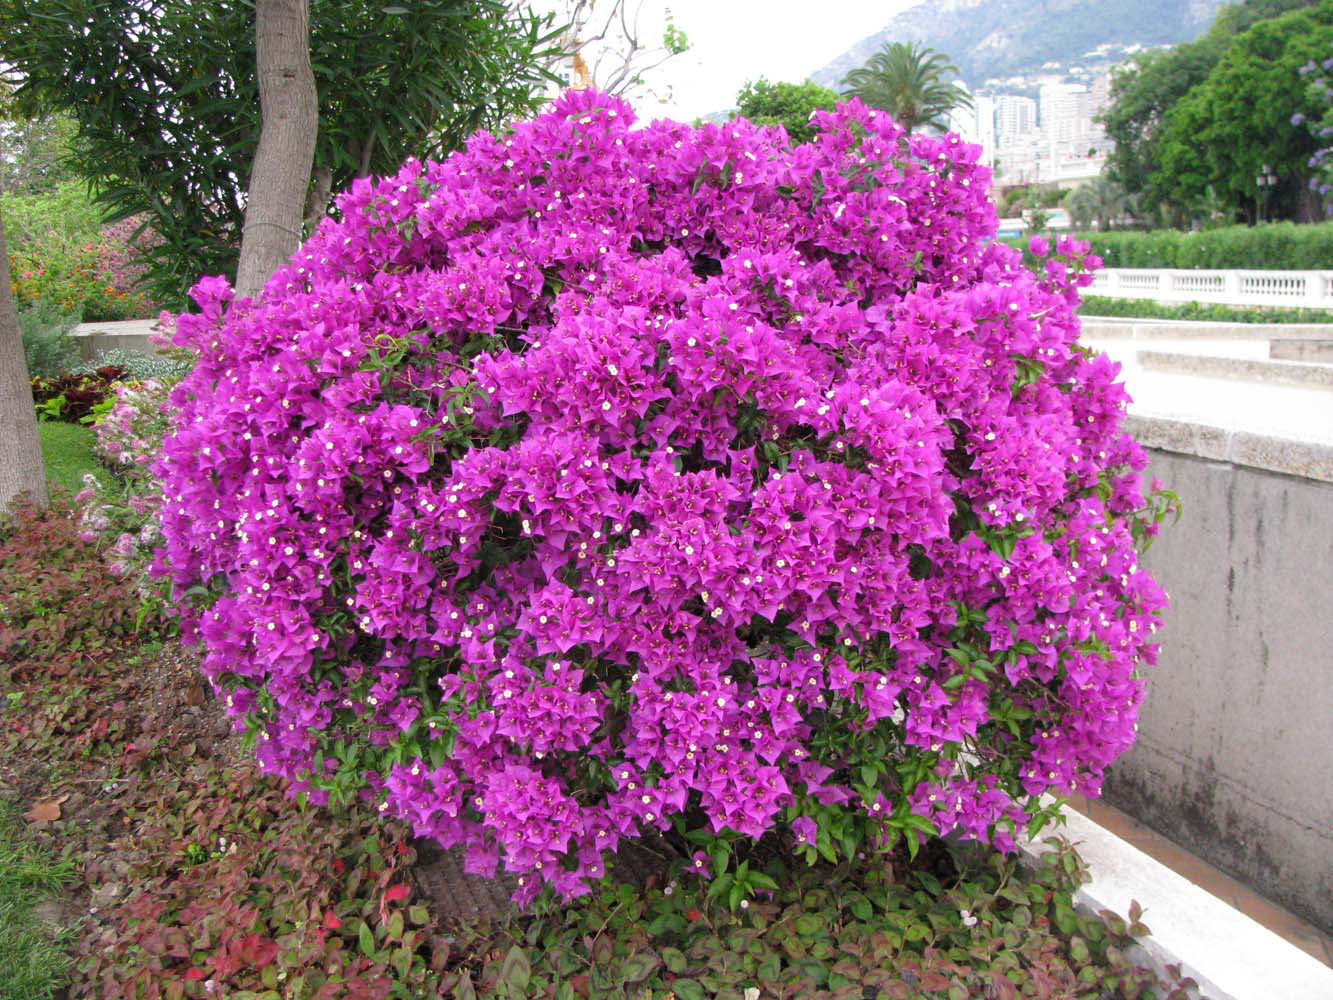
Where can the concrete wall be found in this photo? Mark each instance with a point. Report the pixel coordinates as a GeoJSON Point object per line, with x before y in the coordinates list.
{"type": "Point", "coordinates": [1235, 753]}
{"type": "Point", "coordinates": [125, 335]}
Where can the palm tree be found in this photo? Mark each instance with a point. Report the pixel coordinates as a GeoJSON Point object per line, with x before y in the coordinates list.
{"type": "Point", "coordinates": [1101, 200]}
{"type": "Point", "coordinates": [910, 83]}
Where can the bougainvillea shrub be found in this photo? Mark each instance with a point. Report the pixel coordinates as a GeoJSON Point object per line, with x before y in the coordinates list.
{"type": "Point", "coordinates": [600, 480]}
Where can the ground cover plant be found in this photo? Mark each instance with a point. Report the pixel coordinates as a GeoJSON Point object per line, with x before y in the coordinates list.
{"type": "Point", "coordinates": [194, 875]}
{"type": "Point", "coordinates": [962, 925]}
{"type": "Point", "coordinates": [598, 483]}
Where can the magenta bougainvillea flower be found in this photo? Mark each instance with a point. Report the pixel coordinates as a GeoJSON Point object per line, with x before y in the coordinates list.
{"type": "Point", "coordinates": [602, 480]}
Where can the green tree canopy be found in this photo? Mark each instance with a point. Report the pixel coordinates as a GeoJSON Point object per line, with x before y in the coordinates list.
{"type": "Point", "coordinates": [1239, 118]}
{"type": "Point", "coordinates": [1145, 89]}
{"type": "Point", "coordinates": [34, 152]}
{"type": "Point", "coordinates": [787, 104]}
{"type": "Point", "coordinates": [911, 83]}
{"type": "Point", "coordinates": [164, 96]}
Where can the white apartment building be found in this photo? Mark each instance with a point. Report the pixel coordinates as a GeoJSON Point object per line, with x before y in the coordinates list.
{"type": "Point", "coordinates": [976, 125]}
{"type": "Point", "coordinates": [1064, 112]}
{"type": "Point", "coordinates": [1014, 117]}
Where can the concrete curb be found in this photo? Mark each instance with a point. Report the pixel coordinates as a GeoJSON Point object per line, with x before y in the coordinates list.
{"type": "Point", "coordinates": [1229, 955]}
{"type": "Point", "coordinates": [1303, 375]}
{"type": "Point", "coordinates": [1109, 328]}
{"type": "Point", "coordinates": [1307, 459]}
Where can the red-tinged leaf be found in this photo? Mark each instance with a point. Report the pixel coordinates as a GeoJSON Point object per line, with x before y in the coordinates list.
{"type": "Point", "coordinates": [196, 975]}
{"type": "Point", "coordinates": [331, 921]}
{"type": "Point", "coordinates": [396, 893]}
{"type": "Point", "coordinates": [931, 981]}
{"type": "Point", "coordinates": [464, 990]}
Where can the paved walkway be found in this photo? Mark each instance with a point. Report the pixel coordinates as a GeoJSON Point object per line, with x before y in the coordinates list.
{"type": "Point", "coordinates": [1253, 405]}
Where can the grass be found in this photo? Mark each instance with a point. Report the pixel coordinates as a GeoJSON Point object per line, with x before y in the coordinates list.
{"type": "Point", "coordinates": [33, 962]}
{"type": "Point", "coordinates": [68, 449]}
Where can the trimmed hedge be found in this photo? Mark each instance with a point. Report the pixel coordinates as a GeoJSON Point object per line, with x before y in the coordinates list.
{"type": "Point", "coordinates": [1278, 246]}
{"type": "Point", "coordinates": [1096, 305]}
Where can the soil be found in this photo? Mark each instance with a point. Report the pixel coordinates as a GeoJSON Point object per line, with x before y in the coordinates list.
{"type": "Point", "coordinates": [164, 695]}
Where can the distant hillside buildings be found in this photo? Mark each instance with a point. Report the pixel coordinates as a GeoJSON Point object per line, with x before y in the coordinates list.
{"type": "Point", "coordinates": [1041, 129]}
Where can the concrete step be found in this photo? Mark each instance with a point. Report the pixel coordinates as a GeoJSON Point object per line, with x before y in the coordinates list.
{"type": "Point", "coordinates": [1320, 351]}
{"type": "Point", "coordinates": [1290, 373]}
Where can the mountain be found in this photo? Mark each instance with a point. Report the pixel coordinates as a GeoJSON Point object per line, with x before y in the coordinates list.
{"type": "Point", "coordinates": [990, 39]}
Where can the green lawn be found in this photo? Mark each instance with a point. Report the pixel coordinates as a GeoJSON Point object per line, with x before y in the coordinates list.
{"type": "Point", "coordinates": [32, 953]}
{"type": "Point", "coordinates": [69, 454]}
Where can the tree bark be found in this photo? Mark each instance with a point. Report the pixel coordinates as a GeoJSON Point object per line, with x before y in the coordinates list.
{"type": "Point", "coordinates": [281, 174]}
{"type": "Point", "coordinates": [22, 469]}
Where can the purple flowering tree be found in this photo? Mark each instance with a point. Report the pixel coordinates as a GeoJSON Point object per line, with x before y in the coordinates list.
{"type": "Point", "coordinates": [605, 481]}
{"type": "Point", "coordinates": [1321, 163]}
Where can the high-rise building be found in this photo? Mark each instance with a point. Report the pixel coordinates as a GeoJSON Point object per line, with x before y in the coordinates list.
{"type": "Point", "coordinates": [1064, 111]}
{"type": "Point", "coordinates": [1014, 117]}
{"type": "Point", "coordinates": [976, 125]}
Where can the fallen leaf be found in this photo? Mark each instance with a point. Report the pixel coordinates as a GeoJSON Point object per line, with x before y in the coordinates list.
{"type": "Point", "coordinates": [46, 810]}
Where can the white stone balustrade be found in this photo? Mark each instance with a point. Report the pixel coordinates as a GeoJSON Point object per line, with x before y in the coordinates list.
{"type": "Point", "coordinates": [1310, 289]}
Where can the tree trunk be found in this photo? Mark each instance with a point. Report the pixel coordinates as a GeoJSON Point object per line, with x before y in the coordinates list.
{"type": "Point", "coordinates": [281, 174]}
{"type": "Point", "coordinates": [21, 467]}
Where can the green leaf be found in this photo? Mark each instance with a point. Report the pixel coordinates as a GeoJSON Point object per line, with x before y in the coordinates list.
{"type": "Point", "coordinates": [674, 959]}
{"type": "Point", "coordinates": [516, 970]}
{"type": "Point", "coordinates": [688, 989]}
{"type": "Point", "coordinates": [808, 925]}
{"type": "Point", "coordinates": [639, 966]}
{"type": "Point", "coordinates": [666, 923]}
{"type": "Point", "coordinates": [367, 939]}
{"type": "Point", "coordinates": [402, 962]}
{"type": "Point", "coordinates": [736, 895]}
{"type": "Point", "coordinates": [719, 854]}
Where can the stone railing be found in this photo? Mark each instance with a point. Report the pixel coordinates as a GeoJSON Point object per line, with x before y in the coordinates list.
{"type": "Point", "coordinates": [1312, 289]}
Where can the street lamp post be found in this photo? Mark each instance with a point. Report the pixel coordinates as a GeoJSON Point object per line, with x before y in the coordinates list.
{"type": "Point", "coordinates": [1264, 182]}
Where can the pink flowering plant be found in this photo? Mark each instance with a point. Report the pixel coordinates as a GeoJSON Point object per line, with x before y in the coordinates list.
{"type": "Point", "coordinates": [601, 482]}
{"type": "Point", "coordinates": [119, 512]}
{"type": "Point", "coordinates": [130, 433]}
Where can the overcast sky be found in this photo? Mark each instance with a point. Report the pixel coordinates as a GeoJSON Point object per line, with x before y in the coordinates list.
{"type": "Point", "coordinates": [734, 41]}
